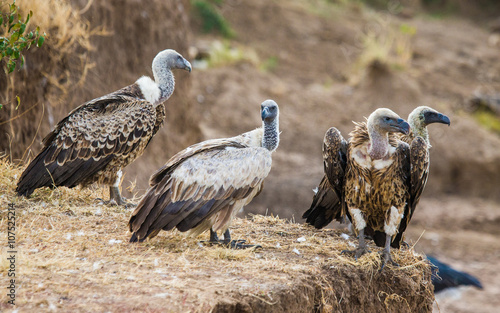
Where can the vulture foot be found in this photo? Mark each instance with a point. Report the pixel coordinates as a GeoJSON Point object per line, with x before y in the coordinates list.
{"type": "Point", "coordinates": [387, 259]}
{"type": "Point", "coordinates": [362, 249]}
{"type": "Point", "coordinates": [357, 253]}
{"type": "Point", "coordinates": [115, 198]}
{"type": "Point", "coordinates": [386, 253]}
{"type": "Point", "coordinates": [227, 242]}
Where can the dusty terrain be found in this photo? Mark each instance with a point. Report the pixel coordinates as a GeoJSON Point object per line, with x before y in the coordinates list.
{"type": "Point", "coordinates": [74, 256]}
{"type": "Point", "coordinates": [315, 58]}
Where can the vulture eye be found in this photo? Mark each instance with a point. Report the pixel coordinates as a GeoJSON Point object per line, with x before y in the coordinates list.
{"type": "Point", "coordinates": [387, 119]}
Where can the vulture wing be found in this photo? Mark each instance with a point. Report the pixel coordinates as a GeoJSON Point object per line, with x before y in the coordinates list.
{"type": "Point", "coordinates": [197, 183]}
{"type": "Point", "coordinates": [88, 139]}
{"type": "Point", "coordinates": [328, 201]}
{"type": "Point", "coordinates": [418, 174]}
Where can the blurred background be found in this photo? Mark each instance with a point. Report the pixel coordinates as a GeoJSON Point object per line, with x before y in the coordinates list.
{"type": "Point", "coordinates": [325, 62]}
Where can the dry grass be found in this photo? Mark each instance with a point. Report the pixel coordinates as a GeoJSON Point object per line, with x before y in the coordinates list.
{"type": "Point", "coordinates": [386, 42]}
{"type": "Point", "coordinates": [74, 255]}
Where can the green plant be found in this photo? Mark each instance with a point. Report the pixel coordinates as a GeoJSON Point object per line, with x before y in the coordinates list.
{"type": "Point", "coordinates": [488, 119]}
{"type": "Point", "coordinates": [14, 39]}
{"type": "Point", "coordinates": [211, 18]}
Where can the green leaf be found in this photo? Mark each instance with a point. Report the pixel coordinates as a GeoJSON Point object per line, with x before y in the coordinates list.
{"type": "Point", "coordinates": [11, 66]}
{"type": "Point", "coordinates": [16, 54]}
{"type": "Point", "coordinates": [22, 60]}
{"type": "Point", "coordinates": [1, 106]}
{"type": "Point", "coordinates": [30, 35]}
{"type": "Point", "coordinates": [40, 41]}
{"type": "Point", "coordinates": [28, 17]}
{"type": "Point", "coordinates": [9, 51]}
{"type": "Point", "coordinates": [1, 19]}
{"type": "Point", "coordinates": [18, 102]}
{"type": "Point", "coordinates": [14, 38]}
{"type": "Point", "coordinates": [22, 28]}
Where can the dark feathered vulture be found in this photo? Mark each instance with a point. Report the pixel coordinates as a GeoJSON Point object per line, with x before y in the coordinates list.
{"type": "Point", "coordinates": [375, 180]}
{"type": "Point", "coordinates": [443, 276]}
{"type": "Point", "coordinates": [327, 204]}
{"type": "Point", "coordinates": [205, 185]}
{"type": "Point", "coordinates": [367, 177]}
{"type": "Point", "coordinates": [418, 119]}
{"type": "Point", "coordinates": [102, 136]}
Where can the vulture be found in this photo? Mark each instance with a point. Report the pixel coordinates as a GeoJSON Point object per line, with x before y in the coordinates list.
{"type": "Point", "coordinates": [368, 177]}
{"type": "Point", "coordinates": [102, 136]}
{"type": "Point", "coordinates": [327, 204]}
{"type": "Point", "coordinates": [444, 276]}
{"type": "Point", "coordinates": [205, 185]}
{"type": "Point", "coordinates": [418, 119]}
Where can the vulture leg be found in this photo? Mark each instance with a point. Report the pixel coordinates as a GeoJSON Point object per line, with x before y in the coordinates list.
{"type": "Point", "coordinates": [115, 198]}
{"type": "Point", "coordinates": [362, 249]}
{"type": "Point", "coordinates": [386, 253]}
{"type": "Point", "coordinates": [227, 242]}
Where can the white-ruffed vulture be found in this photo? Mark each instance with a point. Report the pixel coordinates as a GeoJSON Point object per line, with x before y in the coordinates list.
{"type": "Point", "coordinates": [327, 204]}
{"type": "Point", "coordinates": [205, 185]}
{"type": "Point", "coordinates": [368, 176]}
{"type": "Point", "coordinates": [418, 119]}
{"type": "Point", "coordinates": [102, 136]}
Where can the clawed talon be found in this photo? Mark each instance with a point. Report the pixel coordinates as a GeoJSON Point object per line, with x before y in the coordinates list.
{"type": "Point", "coordinates": [227, 242]}
{"type": "Point", "coordinates": [239, 244]}
{"type": "Point", "coordinates": [357, 253]}
{"type": "Point", "coordinates": [387, 259]}
{"type": "Point", "coordinates": [233, 244]}
{"type": "Point", "coordinates": [121, 202]}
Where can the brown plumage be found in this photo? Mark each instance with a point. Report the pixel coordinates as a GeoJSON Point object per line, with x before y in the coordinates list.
{"type": "Point", "coordinates": [326, 204]}
{"type": "Point", "coordinates": [418, 139]}
{"type": "Point", "coordinates": [368, 177]}
{"type": "Point", "coordinates": [328, 201]}
{"type": "Point", "coordinates": [205, 185]}
{"type": "Point", "coordinates": [102, 136]}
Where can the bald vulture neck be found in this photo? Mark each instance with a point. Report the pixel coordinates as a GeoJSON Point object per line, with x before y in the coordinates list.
{"type": "Point", "coordinates": [379, 144]}
{"type": "Point", "coordinates": [419, 129]}
{"type": "Point", "coordinates": [166, 83]}
{"type": "Point", "coordinates": [271, 137]}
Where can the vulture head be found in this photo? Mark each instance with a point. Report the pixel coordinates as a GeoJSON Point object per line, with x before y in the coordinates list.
{"type": "Point", "coordinates": [384, 121]}
{"type": "Point", "coordinates": [169, 59]}
{"type": "Point", "coordinates": [269, 111]}
{"type": "Point", "coordinates": [423, 116]}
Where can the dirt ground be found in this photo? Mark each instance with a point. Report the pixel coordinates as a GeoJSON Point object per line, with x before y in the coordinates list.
{"type": "Point", "coordinates": [73, 255]}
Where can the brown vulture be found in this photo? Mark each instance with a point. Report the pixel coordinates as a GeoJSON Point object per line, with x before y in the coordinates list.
{"type": "Point", "coordinates": [102, 136]}
{"type": "Point", "coordinates": [418, 119]}
{"type": "Point", "coordinates": [328, 202]}
{"type": "Point", "coordinates": [368, 175]}
{"type": "Point", "coordinates": [205, 185]}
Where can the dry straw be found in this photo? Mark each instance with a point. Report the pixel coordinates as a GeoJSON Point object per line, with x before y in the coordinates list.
{"type": "Point", "coordinates": [74, 255]}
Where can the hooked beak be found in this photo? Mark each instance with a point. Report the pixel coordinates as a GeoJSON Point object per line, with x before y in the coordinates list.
{"type": "Point", "coordinates": [434, 117]}
{"type": "Point", "coordinates": [265, 113]}
{"type": "Point", "coordinates": [402, 126]}
{"type": "Point", "coordinates": [187, 66]}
